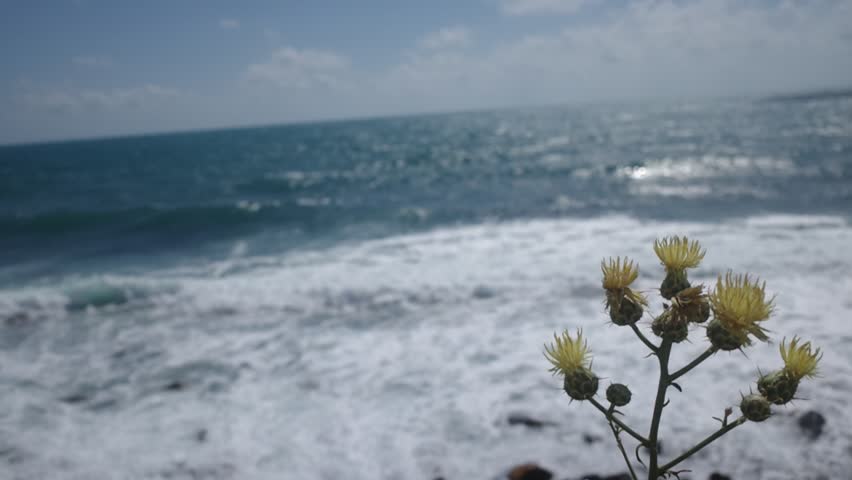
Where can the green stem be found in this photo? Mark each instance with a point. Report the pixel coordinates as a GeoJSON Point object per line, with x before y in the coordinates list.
{"type": "Point", "coordinates": [618, 441]}
{"type": "Point", "coordinates": [609, 416]}
{"type": "Point", "coordinates": [644, 339]}
{"type": "Point", "coordinates": [704, 356]}
{"type": "Point", "coordinates": [707, 441]}
{"type": "Point", "coordinates": [659, 403]}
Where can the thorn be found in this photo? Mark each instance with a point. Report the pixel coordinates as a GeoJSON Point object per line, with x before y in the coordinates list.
{"type": "Point", "coordinates": [666, 403]}
{"type": "Point", "coordinates": [674, 384]}
{"type": "Point", "coordinates": [638, 458]}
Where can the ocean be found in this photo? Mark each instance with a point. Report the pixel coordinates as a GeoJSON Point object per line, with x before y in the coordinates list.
{"type": "Point", "coordinates": [369, 299]}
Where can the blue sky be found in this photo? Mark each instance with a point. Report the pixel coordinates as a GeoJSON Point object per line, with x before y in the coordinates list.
{"type": "Point", "coordinates": [88, 68]}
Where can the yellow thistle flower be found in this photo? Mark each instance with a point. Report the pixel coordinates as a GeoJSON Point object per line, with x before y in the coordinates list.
{"type": "Point", "coordinates": [800, 360]}
{"type": "Point", "coordinates": [568, 354]}
{"type": "Point", "coordinates": [678, 253]}
{"type": "Point", "coordinates": [739, 303]}
{"type": "Point", "coordinates": [618, 274]}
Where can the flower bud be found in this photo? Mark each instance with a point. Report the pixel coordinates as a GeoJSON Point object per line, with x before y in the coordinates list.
{"type": "Point", "coordinates": [674, 282]}
{"type": "Point", "coordinates": [670, 327]}
{"type": "Point", "coordinates": [677, 254]}
{"type": "Point", "coordinates": [623, 311]}
{"type": "Point", "coordinates": [722, 338]}
{"type": "Point", "coordinates": [755, 408]}
{"type": "Point", "coordinates": [778, 387]}
{"type": "Point", "coordinates": [581, 384]}
{"type": "Point", "coordinates": [624, 303]}
{"type": "Point", "coordinates": [618, 394]}
{"type": "Point", "coordinates": [698, 312]}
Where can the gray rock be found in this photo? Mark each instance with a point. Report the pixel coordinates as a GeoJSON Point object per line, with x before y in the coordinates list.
{"type": "Point", "coordinates": [812, 424]}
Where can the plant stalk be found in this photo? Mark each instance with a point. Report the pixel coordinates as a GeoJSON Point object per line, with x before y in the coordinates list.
{"type": "Point", "coordinates": [707, 441]}
{"type": "Point", "coordinates": [609, 416]}
{"type": "Point", "coordinates": [618, 441]}
{"type": "Point", "coordinates": [704, 356]}
{"type": "Point", "coordinates": [663, 354]}
{"type": "Point", "coordinates": [644, 339]}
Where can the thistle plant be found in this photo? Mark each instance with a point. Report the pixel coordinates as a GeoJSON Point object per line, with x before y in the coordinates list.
{"type": "Point", "coordinates": [739, 307]}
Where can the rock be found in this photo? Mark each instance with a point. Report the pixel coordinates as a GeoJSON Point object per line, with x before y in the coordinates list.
{"type": "Point", "coordinates": [74, 398]}
{"type": "Point", "coordinates": [17, 319]}
{"type": "Point", "coordinates": [529, 471]}
{"type": "Point", "coordinates": [812, 423]}
{"type": "Point", "coordinates": [183, 471]}
{"type": "Point", "coordinates": [482, 292]}
{"type": "Point", "coordinates": [617, 476]}
{"type": "Point", "coordinates": [718, 476]}
{"type": "Point", "coordinates": [174, 386]}
{"type": "Point", "coordinates": [527, 421]}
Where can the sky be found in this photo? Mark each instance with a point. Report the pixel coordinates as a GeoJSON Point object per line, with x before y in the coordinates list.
{"type": "Point", "coordinates": [92, 68]}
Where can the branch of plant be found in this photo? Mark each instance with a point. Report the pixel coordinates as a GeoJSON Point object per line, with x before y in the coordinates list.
{"type": "Point", "coordinates": [707, 441]}
{"type": "Point", "coordinates": [618, 441]}
{"type": "Point", "coordinates": [644, 339]}
{"type": "Point", "coordinates": [611, 417]}
{"type": "Point", "coordinates": [663, 384]}
{"type": "Point", "coordinates": [704, 356]}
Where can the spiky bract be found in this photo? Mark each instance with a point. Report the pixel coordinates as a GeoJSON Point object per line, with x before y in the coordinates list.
{"type": "Point", "coordinates": [691, 304]}
{"type": "Point", "coordinates": [740, 304]}
{"type": "Point", "coordinates": [778, 387]}
{"type": "Point", "coordinates": [618, 394]}
{"type": "Point", "coordinates": [581, 384]}
{"type": "Point", "coordinates": [721, 338]}
{"type": "Point", "coordinates": [671, 327]}
{"type": "Point", "coordinates": [755, 408]}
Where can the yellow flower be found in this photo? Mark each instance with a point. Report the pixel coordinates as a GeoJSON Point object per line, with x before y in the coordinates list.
{"type": "Point", "coordinates": [618, 274]}
{"type": "Point", "coordinates": [568, 354]}
{"type": "Point", "coordinates": [739, 303]}
{"type": "Point", "coordinates": [678, 253]}
{"type": "Point", "coordinates": [800, 360]}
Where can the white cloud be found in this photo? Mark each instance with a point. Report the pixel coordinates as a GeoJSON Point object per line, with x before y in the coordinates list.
{"type": "Point", "coordinates": [446, 38]}
{"type": "Point", "coordinates": [651, 48]}
{"type": "Point", "coordinates": [532, 7]}
{"type": "Point", "coordinates": [294, 68]}
{"type": "Point", "coordinates": [109, 99]}
{"type": "Point", "coordinates": [91, 61]}
{"type": "Point", "coordinates": [229, 24]}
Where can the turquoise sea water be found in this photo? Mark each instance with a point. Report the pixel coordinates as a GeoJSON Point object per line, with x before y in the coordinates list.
{"type": "Point", "coordinates": [370, 297]}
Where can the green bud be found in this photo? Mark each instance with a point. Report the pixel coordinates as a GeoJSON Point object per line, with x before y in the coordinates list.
{"type": "Point", "coordinates": [721, 338]}
{"type": "Point", "coordinates": [581, 384]}
{"type": "Point", "coordinates": [624, 311]}
{"type": "Point", "coordinates": [674, 282]}
{"type": "Point", "coordinates": [778, 387]}
{"type": "Point", "coordinates": [755, 408]}
{"type": "Point", "coordinates": [670, 327]}
{"type": "Point", "coordinates": [618, 394]}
